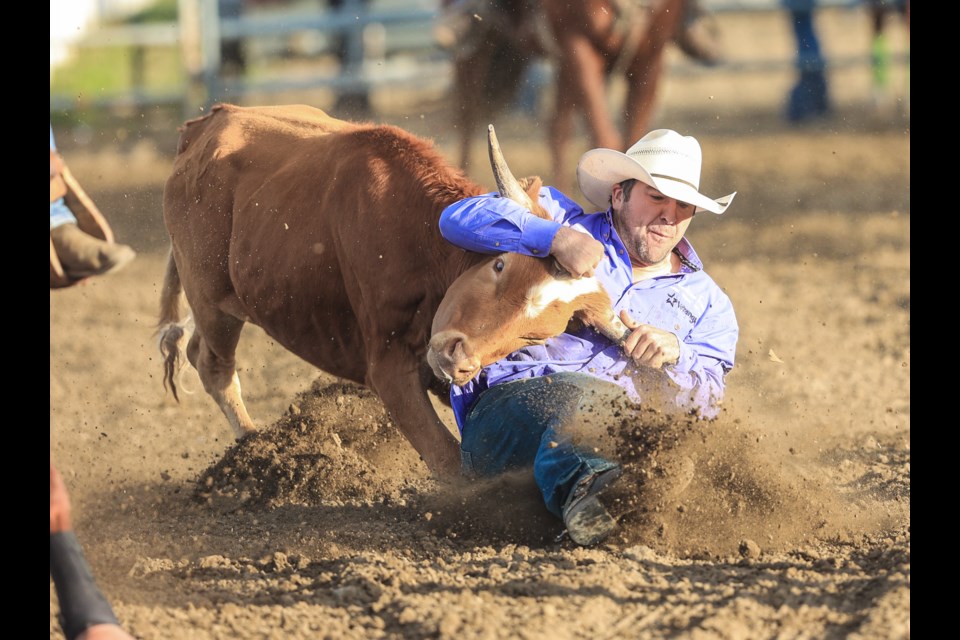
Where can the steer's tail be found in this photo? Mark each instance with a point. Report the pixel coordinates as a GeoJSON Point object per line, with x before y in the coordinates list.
{"type": "Point", "coordinates": [171, 328]}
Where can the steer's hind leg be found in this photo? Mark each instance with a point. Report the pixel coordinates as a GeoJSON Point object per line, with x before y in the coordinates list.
{"type": "Point", "coordinates": [212, 350]}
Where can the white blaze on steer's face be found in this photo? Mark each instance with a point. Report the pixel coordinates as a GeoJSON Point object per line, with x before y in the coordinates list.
{"type": "Point", "coordinates": [542, 295]}
{"type": "Point", "coordinates": [503, 304]}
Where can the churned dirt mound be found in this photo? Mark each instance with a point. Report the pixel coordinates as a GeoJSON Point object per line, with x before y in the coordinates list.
{"type": "Point", "coordinates": [690, 488]}
{"type": "Point", "coordinates": [334, 444]}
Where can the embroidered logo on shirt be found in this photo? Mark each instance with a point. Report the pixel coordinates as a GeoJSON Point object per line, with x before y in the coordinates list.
{"type": "Point", "coordinates": [674, 301]}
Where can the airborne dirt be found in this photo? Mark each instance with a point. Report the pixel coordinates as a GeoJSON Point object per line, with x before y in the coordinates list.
{"type": "Point", "coordinates": [787, 517]}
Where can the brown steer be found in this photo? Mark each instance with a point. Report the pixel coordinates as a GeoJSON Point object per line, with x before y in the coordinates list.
{"type": "Point", "coordinates": [325, 234]}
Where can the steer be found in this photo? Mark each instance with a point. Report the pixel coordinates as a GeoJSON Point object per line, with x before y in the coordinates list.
{"type": "Point", "coordinates": [325, 234]}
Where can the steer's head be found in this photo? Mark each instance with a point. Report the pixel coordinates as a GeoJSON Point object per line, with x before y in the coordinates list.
{"type": "Point", "coordinates": [510, 300]}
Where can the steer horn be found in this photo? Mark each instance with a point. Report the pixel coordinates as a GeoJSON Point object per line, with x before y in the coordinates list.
{"type": "Point", "coordinates": [507, 184]}
{"type": "Point", "coordinates": [509, 187]}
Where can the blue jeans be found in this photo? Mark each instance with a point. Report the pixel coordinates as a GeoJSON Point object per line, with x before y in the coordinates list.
{"type": "Point", "coordinates": [538, 422]}
{"type": "Point", "coordinates": [59, 213]}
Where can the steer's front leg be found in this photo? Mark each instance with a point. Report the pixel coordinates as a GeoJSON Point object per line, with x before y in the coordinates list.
{"type": "Point", "coordinates": [403, 390]}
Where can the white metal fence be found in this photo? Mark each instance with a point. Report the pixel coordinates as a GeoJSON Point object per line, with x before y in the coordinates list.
{"type": "Point", "coordinates": [387, 42]}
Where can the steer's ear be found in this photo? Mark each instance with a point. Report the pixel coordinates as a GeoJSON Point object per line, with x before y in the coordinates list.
{"type": "Point", "coordinates": [531, 184]}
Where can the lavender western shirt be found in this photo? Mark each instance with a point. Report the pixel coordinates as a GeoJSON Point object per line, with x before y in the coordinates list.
{"type": "Point", "coordinates": [688, 304]}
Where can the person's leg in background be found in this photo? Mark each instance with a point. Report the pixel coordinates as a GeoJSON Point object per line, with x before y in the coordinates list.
{"type": "Point", "coordinates": [882, 94]}
{"type": "Point", "coordinates": [59, 213]}
{"type": "Point", "coordinates": [809, 97]}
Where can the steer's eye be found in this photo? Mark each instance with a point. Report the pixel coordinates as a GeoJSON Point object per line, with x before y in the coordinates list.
{"type": "Point", "coordinates": [498, 265]}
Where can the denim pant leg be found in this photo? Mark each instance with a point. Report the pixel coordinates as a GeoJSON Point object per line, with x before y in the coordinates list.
{"type": "Point", "coordinates": [60, 214]}
{"type": "Point", "coordinates": [563, 458]}
{"type": "Point", "coordinates": [503, 429]}
{"type": "Point", "coordinates": [522, 423]}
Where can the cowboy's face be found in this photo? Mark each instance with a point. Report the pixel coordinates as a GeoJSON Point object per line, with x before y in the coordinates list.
{"type": "Point", "coordinates": [649, 223]}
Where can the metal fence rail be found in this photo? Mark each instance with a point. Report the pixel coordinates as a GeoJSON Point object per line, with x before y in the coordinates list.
{"type": "Point", "coordinates": [388, 43]}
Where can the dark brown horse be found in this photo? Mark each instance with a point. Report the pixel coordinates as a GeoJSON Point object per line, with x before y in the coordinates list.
{"type": "Point", "coordinates": [589, 42]}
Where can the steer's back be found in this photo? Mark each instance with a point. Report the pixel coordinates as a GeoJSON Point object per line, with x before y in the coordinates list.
{"type": "Point", "coordinates": [304, 225]}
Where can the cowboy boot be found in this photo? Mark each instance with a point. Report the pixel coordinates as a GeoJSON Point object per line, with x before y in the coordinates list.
{"type": "Point", "coordinates": [83, 255]}
{"type": "Point", "coordinates": [586, 514]}
{"type": "Point", "coordinates": [699, 35]}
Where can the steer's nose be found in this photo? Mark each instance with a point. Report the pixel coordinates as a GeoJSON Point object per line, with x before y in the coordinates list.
{"type": "Point", "coordinates": [449, 357]}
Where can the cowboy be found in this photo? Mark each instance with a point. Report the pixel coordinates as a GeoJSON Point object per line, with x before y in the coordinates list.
{"type": "Point", "coordinates": [523, 410]}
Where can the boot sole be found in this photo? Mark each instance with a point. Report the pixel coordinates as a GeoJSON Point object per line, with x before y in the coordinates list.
{"type": "Point", "coordinates": [588, 521]}
{"type": "Point", "coordinates": [78, 275]}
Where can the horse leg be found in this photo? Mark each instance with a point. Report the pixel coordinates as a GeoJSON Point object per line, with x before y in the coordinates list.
{"type": "Point", "coordinates": [641, 98]}
{"type": "Point", "coordinates": [212, 350]}
{"type": "Point", "coordinates": [466, 118]}
{"type": "Point", "coordinates": [580, 86]}
{"type": "Point", "coordinates": [560, 132]}
{"type": "Point", "coordinates": [589, 78]}
{"type": "Point", "coordinates": [646, 69]}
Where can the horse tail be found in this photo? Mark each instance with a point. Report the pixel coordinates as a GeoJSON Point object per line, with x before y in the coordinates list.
{"type": "Point", "coordinates": [171, 327]}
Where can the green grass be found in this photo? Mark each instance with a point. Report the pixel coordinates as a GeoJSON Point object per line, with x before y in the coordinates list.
{"type": "Point", "coordinates": [159, 11]}
{"type": "Point", "coordinates": [94, 73]}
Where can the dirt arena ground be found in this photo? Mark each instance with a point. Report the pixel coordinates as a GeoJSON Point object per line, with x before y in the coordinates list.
{"type": "Point", "coordinates": [326, 525]}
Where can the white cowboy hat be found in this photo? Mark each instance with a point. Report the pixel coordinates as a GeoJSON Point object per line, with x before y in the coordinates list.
{"type": "Point", "coordinates": [662, 159]}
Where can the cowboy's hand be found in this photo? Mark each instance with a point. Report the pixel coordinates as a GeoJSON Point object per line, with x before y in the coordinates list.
{"type": "Point", "coordinates": [649, 346]}
{"type": "Point", "coordinates": [578, 253]}
{"type": "Point", "coordinates": [59, 503]}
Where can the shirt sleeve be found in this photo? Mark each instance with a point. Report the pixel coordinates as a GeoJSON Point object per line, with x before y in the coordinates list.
{"type": "Point", "coordinates": [706, 355]}
{"type": "Point", "coordinates": [490, 223]}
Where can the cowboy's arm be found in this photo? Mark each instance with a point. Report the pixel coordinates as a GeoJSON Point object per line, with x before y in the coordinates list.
{"type": "Point", "coordinates": [492, 224]}
{"type": "Point", "coordinates": [706, 355]}
{"type": "Point", "coordinates": [699, 362]}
